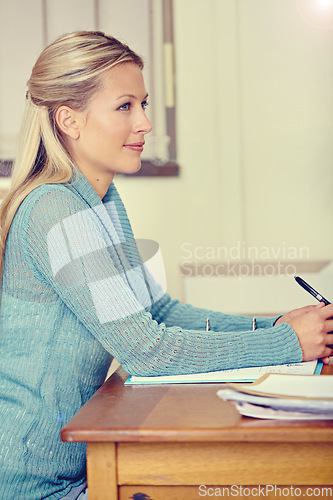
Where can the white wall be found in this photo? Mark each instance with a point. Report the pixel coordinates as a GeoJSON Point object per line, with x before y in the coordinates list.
{"type": "Point", "coordinates": [20, 45]}
{"type": "Point", "coordinates": [255, 122]}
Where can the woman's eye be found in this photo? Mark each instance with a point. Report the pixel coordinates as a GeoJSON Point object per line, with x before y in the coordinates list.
{"type": "Point", "coordinates": [144, 104]}
{"type": "Point", "coordinates": [125, 107]}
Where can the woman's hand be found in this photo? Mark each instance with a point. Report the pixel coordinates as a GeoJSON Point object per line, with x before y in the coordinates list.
{"type": "Point", "coordinates": [312, 325]}
{"type": "Point", "coordinates": [295, 313]}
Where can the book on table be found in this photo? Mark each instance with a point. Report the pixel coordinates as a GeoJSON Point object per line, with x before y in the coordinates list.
{"type": "Point", "coordinates": [235, 375]}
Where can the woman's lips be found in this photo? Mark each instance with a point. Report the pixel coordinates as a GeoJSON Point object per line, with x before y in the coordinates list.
{"type": "Point", "coordinates": [136, 146]}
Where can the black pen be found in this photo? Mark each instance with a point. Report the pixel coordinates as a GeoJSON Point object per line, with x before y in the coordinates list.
{"type": "Point", "coordinates": [311, 290]}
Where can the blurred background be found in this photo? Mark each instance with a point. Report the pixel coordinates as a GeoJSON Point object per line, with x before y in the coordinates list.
{"type": "Point", "coordinates": [242, 101]}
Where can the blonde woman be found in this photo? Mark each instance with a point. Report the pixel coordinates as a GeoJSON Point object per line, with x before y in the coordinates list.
{"type": "Point", "coordinates": [75, 292]}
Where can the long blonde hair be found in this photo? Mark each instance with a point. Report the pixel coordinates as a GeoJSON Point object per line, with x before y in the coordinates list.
{"type": "Point", "coordinates": [68, 72]}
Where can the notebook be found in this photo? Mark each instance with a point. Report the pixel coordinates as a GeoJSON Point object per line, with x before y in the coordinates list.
{"type": "Point", "coordinates": [235, 375]}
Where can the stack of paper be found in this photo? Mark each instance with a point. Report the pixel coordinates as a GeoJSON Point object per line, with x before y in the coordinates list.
{"type": "Point", "coordinates": [283, 396]}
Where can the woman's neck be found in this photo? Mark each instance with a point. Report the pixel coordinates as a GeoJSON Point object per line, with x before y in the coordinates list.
{"type": "Point", "coordinates": [100, 183]}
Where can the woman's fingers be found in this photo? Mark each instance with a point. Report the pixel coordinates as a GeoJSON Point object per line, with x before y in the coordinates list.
{"type": "Point", "coordinates": [326, 311]}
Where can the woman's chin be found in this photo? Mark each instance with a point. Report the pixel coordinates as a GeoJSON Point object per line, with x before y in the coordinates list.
{"type": "Point", "coordinates": [130, 169]}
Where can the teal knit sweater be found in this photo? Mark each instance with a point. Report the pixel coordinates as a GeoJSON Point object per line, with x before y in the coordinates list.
{"type": "Point", "coordinates": [75, 294]}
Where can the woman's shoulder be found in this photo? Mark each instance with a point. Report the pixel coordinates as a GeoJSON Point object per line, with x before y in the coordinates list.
{"type": "Point", "coordinates": [78, 191]}
{"type": "Point", "coordinates": [51, 202]}
{"type": "Point", "coordinates": [51, 194]}
{"type": "Point", "coordinates": [48, 191]}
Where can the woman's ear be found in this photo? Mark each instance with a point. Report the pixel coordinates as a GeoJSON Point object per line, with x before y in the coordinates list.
{"type": "Point", "coordinates": [67, 122]}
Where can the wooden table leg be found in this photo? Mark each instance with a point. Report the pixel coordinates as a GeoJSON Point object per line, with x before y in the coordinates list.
{"type": "Point", "coordinates": [102, 471]}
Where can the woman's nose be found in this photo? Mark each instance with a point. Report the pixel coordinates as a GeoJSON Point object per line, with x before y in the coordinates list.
{"type": "Point", "coordinates": [144, 125]}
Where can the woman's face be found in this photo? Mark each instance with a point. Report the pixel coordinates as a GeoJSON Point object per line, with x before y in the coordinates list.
{"type": "Point", "coordinates": [113, 127]}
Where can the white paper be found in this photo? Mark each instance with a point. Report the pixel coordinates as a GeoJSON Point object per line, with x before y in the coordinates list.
{"type": "Point", "coordinates": [307, 405]}
{"type": "Point", "coordinates": [283, 396]}
{"type": "Point", "coordinates": [293, 386]}
{"type": "Point", "coordinates": [250, 410]}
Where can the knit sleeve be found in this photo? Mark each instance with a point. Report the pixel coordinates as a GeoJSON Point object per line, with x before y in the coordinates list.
{"type": "Point", "coordinates": [194, 318]}
{"type": "Point", "coordinates": [78, 252]}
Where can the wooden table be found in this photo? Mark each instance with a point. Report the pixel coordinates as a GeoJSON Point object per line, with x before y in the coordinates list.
{"type": "Point", "coordinates": [167, 441]}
